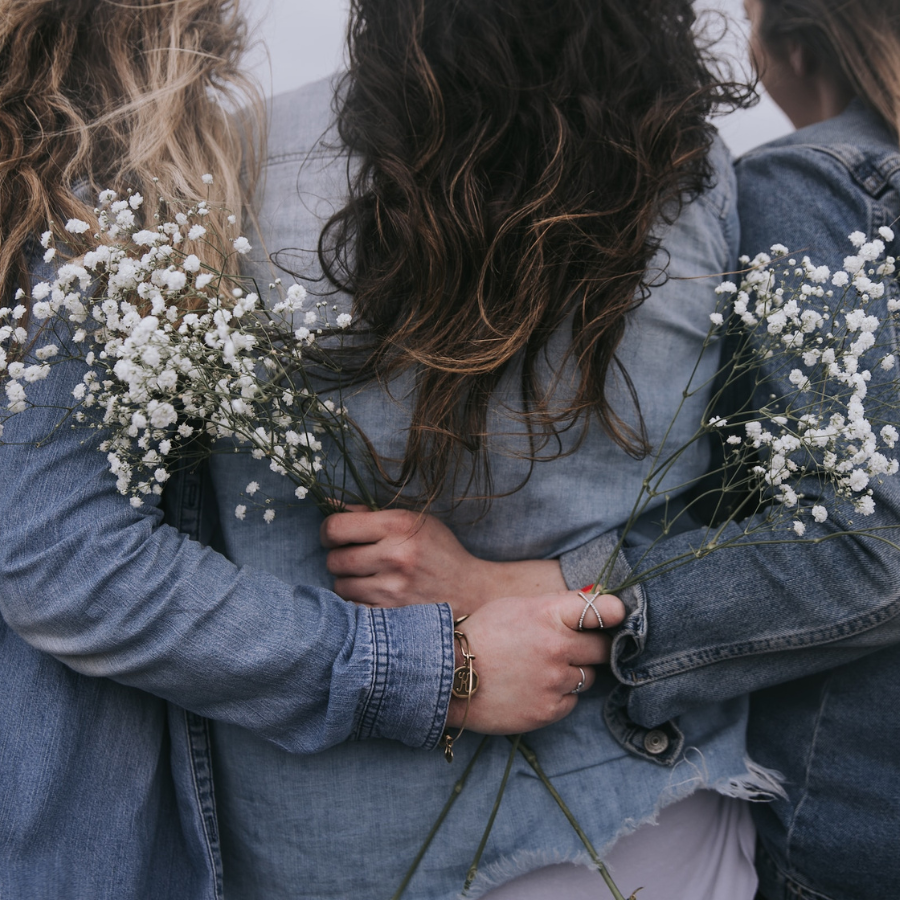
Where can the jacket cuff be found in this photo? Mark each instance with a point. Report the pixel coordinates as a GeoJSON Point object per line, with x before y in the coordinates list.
{"type": "Point", "coordinates": [413, 659]}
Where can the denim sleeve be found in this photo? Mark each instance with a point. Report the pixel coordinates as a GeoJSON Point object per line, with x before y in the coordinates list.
{"type": "Point", "coordinates": [764, 613]}
{"type": "Point", "coordinates": [112, 592]}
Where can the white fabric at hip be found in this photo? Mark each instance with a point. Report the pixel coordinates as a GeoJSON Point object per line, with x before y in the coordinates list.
{"type": "Point", "coordinates": [702, 846]}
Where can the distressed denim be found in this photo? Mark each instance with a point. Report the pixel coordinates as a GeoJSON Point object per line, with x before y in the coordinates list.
{"type": "Point", "coordinates": [827, 615]}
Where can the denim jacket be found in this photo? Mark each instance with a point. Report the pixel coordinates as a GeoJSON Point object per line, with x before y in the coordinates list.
{"type": "Point", "coordinates": [107, 613]}
{"type": "Point", "coordinates": [827, 615]}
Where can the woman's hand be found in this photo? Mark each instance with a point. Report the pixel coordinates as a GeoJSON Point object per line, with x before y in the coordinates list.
{"type": "Point", "coordinates": [401, 558]}
{"type": "Point", "coordinates": [528, 651]}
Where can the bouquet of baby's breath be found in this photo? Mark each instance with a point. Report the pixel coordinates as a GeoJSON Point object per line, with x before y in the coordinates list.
{"type": "Point", "coordinates": [827, 434]}
{"type": "Point", "coordinates": [180, 358]}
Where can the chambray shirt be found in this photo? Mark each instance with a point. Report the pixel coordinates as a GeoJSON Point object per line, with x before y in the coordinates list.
{"type": "Point", "coordinates": [348, 821]}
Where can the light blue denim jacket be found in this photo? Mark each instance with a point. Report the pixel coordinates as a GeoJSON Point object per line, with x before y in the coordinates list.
{"type": "Point", "coordinates": [348, 821]}
{"type": "Point", "coordinates": [108, 613]}
{"type": "Point", "coordinates": [826, 614]}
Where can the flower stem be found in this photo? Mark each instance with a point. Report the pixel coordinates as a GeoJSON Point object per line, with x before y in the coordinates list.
{"type": "Point", "coordinates": [457, 790]}
{"type": "Point", "coordinates": [473, 869]}
{"type": "Point", "coordinates": [532, 760]}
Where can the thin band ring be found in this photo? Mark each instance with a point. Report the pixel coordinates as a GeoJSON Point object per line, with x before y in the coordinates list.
{"type": "Point", "coordinates": [588, 604]}
{"type": "Point", "coordinates": [580, 686]}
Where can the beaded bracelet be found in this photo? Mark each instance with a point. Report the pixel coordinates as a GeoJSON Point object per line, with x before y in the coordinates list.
{"type": "Point", "coordinates": [465, 683]}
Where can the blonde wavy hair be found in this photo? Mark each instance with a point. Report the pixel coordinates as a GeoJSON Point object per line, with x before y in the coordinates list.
{"type": "Point", "coordinates": [118, 94]}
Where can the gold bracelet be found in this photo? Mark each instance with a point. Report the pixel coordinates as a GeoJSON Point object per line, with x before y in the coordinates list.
{"type": "Point", "coordinates": [465, 683]}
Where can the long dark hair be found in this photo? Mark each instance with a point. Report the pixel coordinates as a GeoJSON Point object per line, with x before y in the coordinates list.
{"type": "Point", "coordinates": [517, 159]}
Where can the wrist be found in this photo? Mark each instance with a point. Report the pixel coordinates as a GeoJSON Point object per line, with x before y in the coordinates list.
{"type": "Point", "coordinates": [527, 578]}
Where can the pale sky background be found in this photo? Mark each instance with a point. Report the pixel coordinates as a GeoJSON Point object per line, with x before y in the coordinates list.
{"type": "Point", "coordinates": [305, 39]}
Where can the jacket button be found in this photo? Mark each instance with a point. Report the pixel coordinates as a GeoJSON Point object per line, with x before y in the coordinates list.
{"type": "Point", "coordinates": [656, 742]}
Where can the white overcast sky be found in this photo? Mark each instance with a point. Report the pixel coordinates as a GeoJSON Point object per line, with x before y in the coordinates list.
{"type": "Point", "coordinates": [305, 39]}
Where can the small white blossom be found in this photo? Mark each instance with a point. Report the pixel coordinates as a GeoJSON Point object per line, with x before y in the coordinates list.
{"type": "Point", "coordinates": [207, 178]}
{"type": "Point", "coordinates": [240, 511]}
{"type": "Point", "coordinates": [819, 513]}
{"type": "Point", "coordinates": [840, 279]}
{"type": "Point", "coordinates": [269, 516]}
{"type": "Point", "coordinates": [799, 528]}
{"type": "Point", "coordinates": [77, 226]}
{"type": "Point", "coordinates": [242, 245]}
{"type": "Point", "coordinates": [251, 488]}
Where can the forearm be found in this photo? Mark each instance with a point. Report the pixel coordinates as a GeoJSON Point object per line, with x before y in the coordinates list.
{"type": "Point", "coordinates": [112, 592]}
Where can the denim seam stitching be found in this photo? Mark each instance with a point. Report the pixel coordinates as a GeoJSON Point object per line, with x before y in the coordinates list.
{"type": "Point", "coordinates": [205, 799]}
{"type": "Point", "coordinates": [698, 659]}
{"type": "Point", "coordinates": [809, 763]}
{"type": "Point", "coordinates": [375, 698]}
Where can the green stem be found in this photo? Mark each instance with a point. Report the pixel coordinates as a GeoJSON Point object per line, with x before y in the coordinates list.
{"type": "Point", "coordinates": [473, 869]}
{"type": "Point", "coordinates": [532, 760]}
{"type": "Point", "coordinates": [457, 790]}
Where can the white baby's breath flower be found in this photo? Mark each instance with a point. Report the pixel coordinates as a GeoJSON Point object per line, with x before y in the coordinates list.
{"type": "Point", "coordinates": [196, 232]}
{"type": "Point", "coordinates": [77, 226]}
{"type": "Point", "coordinates": [242, 245]}
{"type": "Point", "coordinates": [207, 178]}
{"type": "Point", "coordinates": [344, 320]}
{"type": "Point", "coordinates": [799, 528]}
{"type": "Point", "coordinates": [886, 233]}
{"type": "Point", "coordinates": [301, 493]}
{"type": "Point", "coordinates": [840, 279]}
{"type": "Point", "coordinates": [269, 516]}
{"type": "Point", "coordinates": [857, 238]}
{"type": "Point", "coordinates": [819, 513]}
{"type": "Point", "coordinates": [191, 263]}
{"type": "Point", "coordinates": [240, 511]}
{"type": "Point", "coordinates": [251, 488]}
{"type": "Point", "coordinates": [203, 280]}
{"type": "Point", "coordinates": [716, 318]}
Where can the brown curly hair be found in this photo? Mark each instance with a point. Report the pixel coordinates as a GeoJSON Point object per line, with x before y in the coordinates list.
{"type": "Point", "coordinates": [517, 160]}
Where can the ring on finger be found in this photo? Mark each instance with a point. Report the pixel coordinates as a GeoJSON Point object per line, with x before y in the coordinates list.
{"type": "Point", "coordinates": [588, 604]}
{"type": "Point", "coordinates": [580, 686]}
